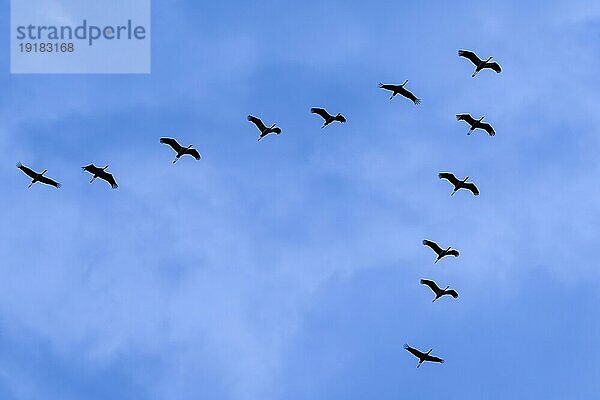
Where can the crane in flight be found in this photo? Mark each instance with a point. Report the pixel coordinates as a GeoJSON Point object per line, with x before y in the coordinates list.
{"type": "Point", "coordinates": [439, 292]}
{"type": "Point", "coordinates": [264, 130]}
{"type": "Point", "coordinates": [441, 253]}
{"type": "Point", "coordinates": [101, 173]}
{"type": "Point", "coordinates": [35, 177]}
{"type": "Point", "coordinates": [423, 356]}
{"type": "Point", "coordinates": [476, 124]}
{"type": "Point", "coordinates": [399, 89]}
{"type": "Point", "coordinates": [479, 63]}
{"type": "Point", "coordinates": [458, 184]}
{"type": "Point", "coordinates": [179, 149]}
{"type": "Point", "coordinates": [327, 117]}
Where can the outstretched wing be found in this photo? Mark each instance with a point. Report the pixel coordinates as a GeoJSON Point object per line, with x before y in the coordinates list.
{"type": "Point", "coordinates": [494, 65]}
{"type": "Point", "coordinates": [432, 285]}
{"type": "Point", "coordinates": [433, 246]}
{"type": "Point", "coordinates": [256, 121]}
{"type": "Point", "coordinates": [469, 55]}
{"type": "Point", "coordinates": [49, 181]}
{"type": "Point", "coordinates": [109, 178]}
{"type": "Point", "coordinates": [340, 118]}
{"type": "Point", "coordinates": [409, 95]}
{"type": "Point", "coordinates": [449, 177]}
{"type": "Point", "coordinates": [452, 293]}
{"type": "Point", "coordinates": [28, 171]}
{"type": "Point", "coordinates": [433, 359]}
{"type": "Point", "coordinates": [413, 351]}
{"type": "Point", "coordinates": [488, 128]}
{"type": "Point", "coordinates": [387, 86]}
{"type": "Point", "coordinates": [194, 153]}
{"type": "Point", "coordinates": [453, 252]}
{"type": "Point", "coordinates": [171, 142]}
{"type": "Point", "coordinates": [471, 186]}
{"type": "Point", "coordinates": [91, 168]}
{"type": "Point", "coordinates": [467, 118]}
{"type": "Point", "coordinates": [321, 112]}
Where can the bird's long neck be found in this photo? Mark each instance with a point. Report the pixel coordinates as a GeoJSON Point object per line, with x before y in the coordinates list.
{"type": "Point", "coordinates": [405, 82]}
{"type": "Point", "coordinates": [446, 288]}
{"type": "Point", "coordinates": [429, 351]}
{"type": "Point", "coordinates": [272, 126]}
{"type": "Point", "coordinates": [448, 249]}
{"type": "Point", "coordinates": [488, 60]}
{"type": "Point", "coordinates": [44, 171]}
{"type": "Point", "coordinates": [464, 180]}
{"type": "Point", "coordinates": [481, 119]}
{"type": "Point", "coordinates": [189, 146]}
{"type": "Point", "coordinates": [105, 168]}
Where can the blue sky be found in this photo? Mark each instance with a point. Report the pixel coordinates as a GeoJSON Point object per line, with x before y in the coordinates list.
{"type": "Point", "coordinates": [289, 268]}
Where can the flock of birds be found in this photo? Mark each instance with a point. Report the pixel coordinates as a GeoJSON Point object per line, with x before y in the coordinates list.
{"type": "Point", "coordinates": [180, 151]}
{"type": "Point", "coordinates": [457, 185]}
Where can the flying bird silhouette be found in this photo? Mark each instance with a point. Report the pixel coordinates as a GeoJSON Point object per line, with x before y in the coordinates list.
{"type": "Point", "coordinates": [476, 124]}
{"type": "Point", "coordinates": [437, 290]}
{"type": "Point", "coordinates": [35, 177]}
{"type": "Point", "coordinates": [479, 63]}
{"type": "Point", "coordinates": [179, 149]}
{"type": "Point", "coordinates": [101, 173]}
{"type": "Point", "coordinates": [399, 89]}
{"type": "Point", "coordinates": [441, 253]}
{"type": "Point", "coordinates": [264, 130]}
{"type": "Point", "coordinates": [423, 356]}
{"type": "Point", "coordinates": [327, 117]}
{"type": "Point", "coordinates": [459, 184]}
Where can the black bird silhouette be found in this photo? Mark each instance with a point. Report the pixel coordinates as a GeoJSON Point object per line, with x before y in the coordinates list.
{"type": "Point", "coordinates": [327, 117]}
{"type": "Point", "coordinates": [101, 173]}
{"type": "Point", "coordinates": [35, 177]}
{"type": "Point", "coordinates": [476, 124]}
{"type": "Point", "coordinates": [423, 356]}
{"type": "Point", "coordinates": [399, 89]}
{"type": "Point", "coordinates": [479, 63]}
{"type": "Point", "coordinates": [179, 149]}
{"type": "Point", "coordinates": [264, 130]}
{"type": "Point", "coordinates": [441, 253]}
{"type": "Point", "coordinates": [436, 289]}
{"type": "Point", "coordinates": [459, 184]}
